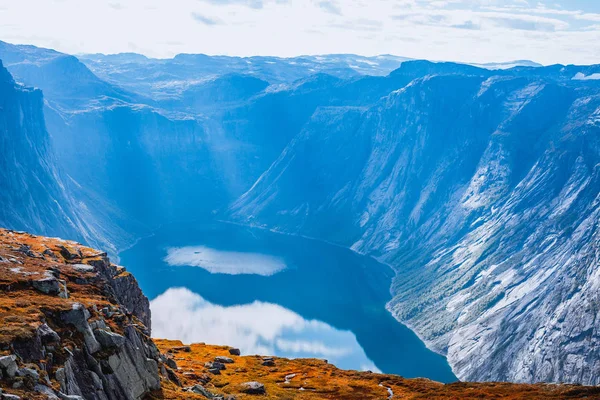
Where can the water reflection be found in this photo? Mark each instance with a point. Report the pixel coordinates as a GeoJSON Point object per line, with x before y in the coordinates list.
{"type": "Point", "coordinates": [256, 328]}
{"type": "Point", "coordinates": [224, 262]}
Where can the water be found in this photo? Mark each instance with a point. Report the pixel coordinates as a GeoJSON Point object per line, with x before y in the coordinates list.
{"type": "Point", "coordinates": [274, 294]}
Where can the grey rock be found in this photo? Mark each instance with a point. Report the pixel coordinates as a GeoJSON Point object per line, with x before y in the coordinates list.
{"type": "Point", "coordinates": [170, 362]}
{"type": "Point", "coordinates": [137, 373]}
{"type": "Point", "coordinates": [199, 389]}
{"type": "Point", "coordinates": [185, 349]}
{"type": "Point", "coordinates": [49, 285]}
{"type": "Point", "coordinates": [108, 339]}
{"type": "Point", "coordinates": [45, 390]}
{"type": "Point", "coordinates": [63, 396]}
{"type": "Point", "coordinates": [61, 378]}
{"type": "Point", "coordinates": [214, 371]}
{"type": "Point", "coordinates": [223, 360]}
{"type": "Point", "coordinates": [78, 317]}
{"type": "Point", "coordinates": [6, 396]}
{"type": "Point", "coordinates": [63, 292]}
{"type": "Point", "coordinates": [29, 372]}
{"type": "Point", "coordinates": [108, 313]}
{"type": "Point", "coordinates": [99, 324]}
{"type": "Point", "coordinates": [216, 365]}
{"type": "Point", "coordinates": [83, 267]}
{"type": "Point", "coordinates": [235, 352]}
{"type": "Point", "coordinates": [253, 388]}
{"type": "Point", "coordinates": [8, 364]}
{"type": "Point", "coordinates": [47, 334]}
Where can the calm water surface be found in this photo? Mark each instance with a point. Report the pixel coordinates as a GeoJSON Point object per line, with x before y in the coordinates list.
{"type": "Point", "coordinates": [274, 294]}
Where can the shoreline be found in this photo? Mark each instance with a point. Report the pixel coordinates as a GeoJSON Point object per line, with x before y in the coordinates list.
{"type": "Point", "coordinates": [277, 232]}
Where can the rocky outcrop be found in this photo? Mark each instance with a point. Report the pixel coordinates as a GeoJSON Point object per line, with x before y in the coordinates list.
{"type": "Point", "coordinates": [92, 344]}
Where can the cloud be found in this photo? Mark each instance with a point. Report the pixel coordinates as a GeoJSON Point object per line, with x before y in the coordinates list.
{"type": "Point", "coordinates": [205, 20]}
{"type": "Point", "coordinates": [257, 328]}
{"type": "Point", "coordinates": [359, 24]}
{"type": "Point", "coordinates": [467, 25]}
{"type": "Point", "coordinates": [256, 4]}
{"type": "Point", "coordinates": [524, 24]}
{"type": "Point", "coordinates": [558, 31]}
{"type": "Point", "coordinates": [330, 7]}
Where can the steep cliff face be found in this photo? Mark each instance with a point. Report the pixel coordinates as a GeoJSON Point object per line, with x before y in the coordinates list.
{"type": "Point", "coordinates": [34, 195]}
{"type": "Point", "coordinates": [74, 326]}
{"type": "Point", "coordinates": [482, 191]}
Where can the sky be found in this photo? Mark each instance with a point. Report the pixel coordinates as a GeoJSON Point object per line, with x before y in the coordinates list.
{"type": "Point", "coordinates": [558, 31]}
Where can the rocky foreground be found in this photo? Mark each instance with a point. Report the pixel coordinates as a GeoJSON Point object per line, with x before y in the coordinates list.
{"type": "Point", "coordinates": [74, 326]}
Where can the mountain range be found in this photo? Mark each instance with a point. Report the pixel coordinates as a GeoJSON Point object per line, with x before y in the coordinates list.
{"type": "Point", "coordinates": [478, 186]}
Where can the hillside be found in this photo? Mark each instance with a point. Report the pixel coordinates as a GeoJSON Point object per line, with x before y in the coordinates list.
{"type": "Point", "coordinates": [75, 326]}
{"type": "Point", "coordinates": [481, 190]}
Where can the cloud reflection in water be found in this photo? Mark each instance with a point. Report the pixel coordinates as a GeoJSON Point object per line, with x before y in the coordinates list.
{"type": "Point", "coordinates": [224, 262]}
{"type": "Point", "coordinates": [257, 328]}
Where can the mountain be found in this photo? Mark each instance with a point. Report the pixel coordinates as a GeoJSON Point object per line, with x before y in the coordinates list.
{"type": "Point", "coordinates": [479, 186]}
{"type": "Point", "coordinates": [162, 79]}
{"type": "Point", "coordinates": [35, 194]}
{"type": "Point", "coordinates": [481, 189]}
{"type": "Point", "coordinates": [75, 326]}
{"type": "Point", "coordinates": [509, 64]}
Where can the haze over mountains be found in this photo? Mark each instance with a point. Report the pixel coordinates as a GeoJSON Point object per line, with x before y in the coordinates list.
{"type": "Point", "coordinates": [479, 186]}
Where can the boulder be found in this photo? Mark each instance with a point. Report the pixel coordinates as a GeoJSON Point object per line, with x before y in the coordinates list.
{"type": "Point", "coordinates": [215, 364]}
{"type": "Point", "coordinates": [170, 362]}
{"type": "Point", "coordinates": [109, 340]}
{"type": "Point", "coordinates": [8, 364]}
{"type": "Point", "coordinates": [47, 334]}
{"type": "Point", "coordinates": [253, 388]}
{"type": "Point", "coordinates": [186, 349]}
{"type": "Point", "coordinates": [48, 285]}
{"type": "Point", "coordinates": [30, 372]}
{"type": "Point", "coordinates": [235, 352]}
{"type": "Point", "coordinates": [223, 360]}
{"type": "Point", "coordinates": [45, 390]}
{"type": "Point", "coordinates": [78, 317]}
{"type": "Point", "coordinates": [268, 362]}
{"type": "Point", "coordinates": [199, 389]}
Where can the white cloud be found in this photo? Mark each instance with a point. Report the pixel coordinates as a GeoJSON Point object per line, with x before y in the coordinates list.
{"type": "Point", "coordinates": [257, 328]}
{"type": "Point", "coordinates": [547, 32]}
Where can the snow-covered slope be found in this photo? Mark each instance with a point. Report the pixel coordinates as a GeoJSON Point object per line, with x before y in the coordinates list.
{"type": "Point", "coordinates": [482, 191]}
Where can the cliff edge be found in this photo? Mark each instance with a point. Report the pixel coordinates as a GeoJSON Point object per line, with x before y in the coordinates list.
{"type": "Point", "coordinates": [75, 326]}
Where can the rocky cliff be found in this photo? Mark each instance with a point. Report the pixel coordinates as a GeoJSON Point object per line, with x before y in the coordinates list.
{"type": "Point", "coordinates": [36, 194]}
{"type": "Point", "coordinates": [75, 326]}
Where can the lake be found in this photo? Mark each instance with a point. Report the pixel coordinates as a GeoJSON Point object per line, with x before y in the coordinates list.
{"type": "Point", "coordinates": [274, 294]}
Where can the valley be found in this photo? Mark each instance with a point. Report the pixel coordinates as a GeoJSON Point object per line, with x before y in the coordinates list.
{"type": "Point", "coordinates": [478, 186]}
